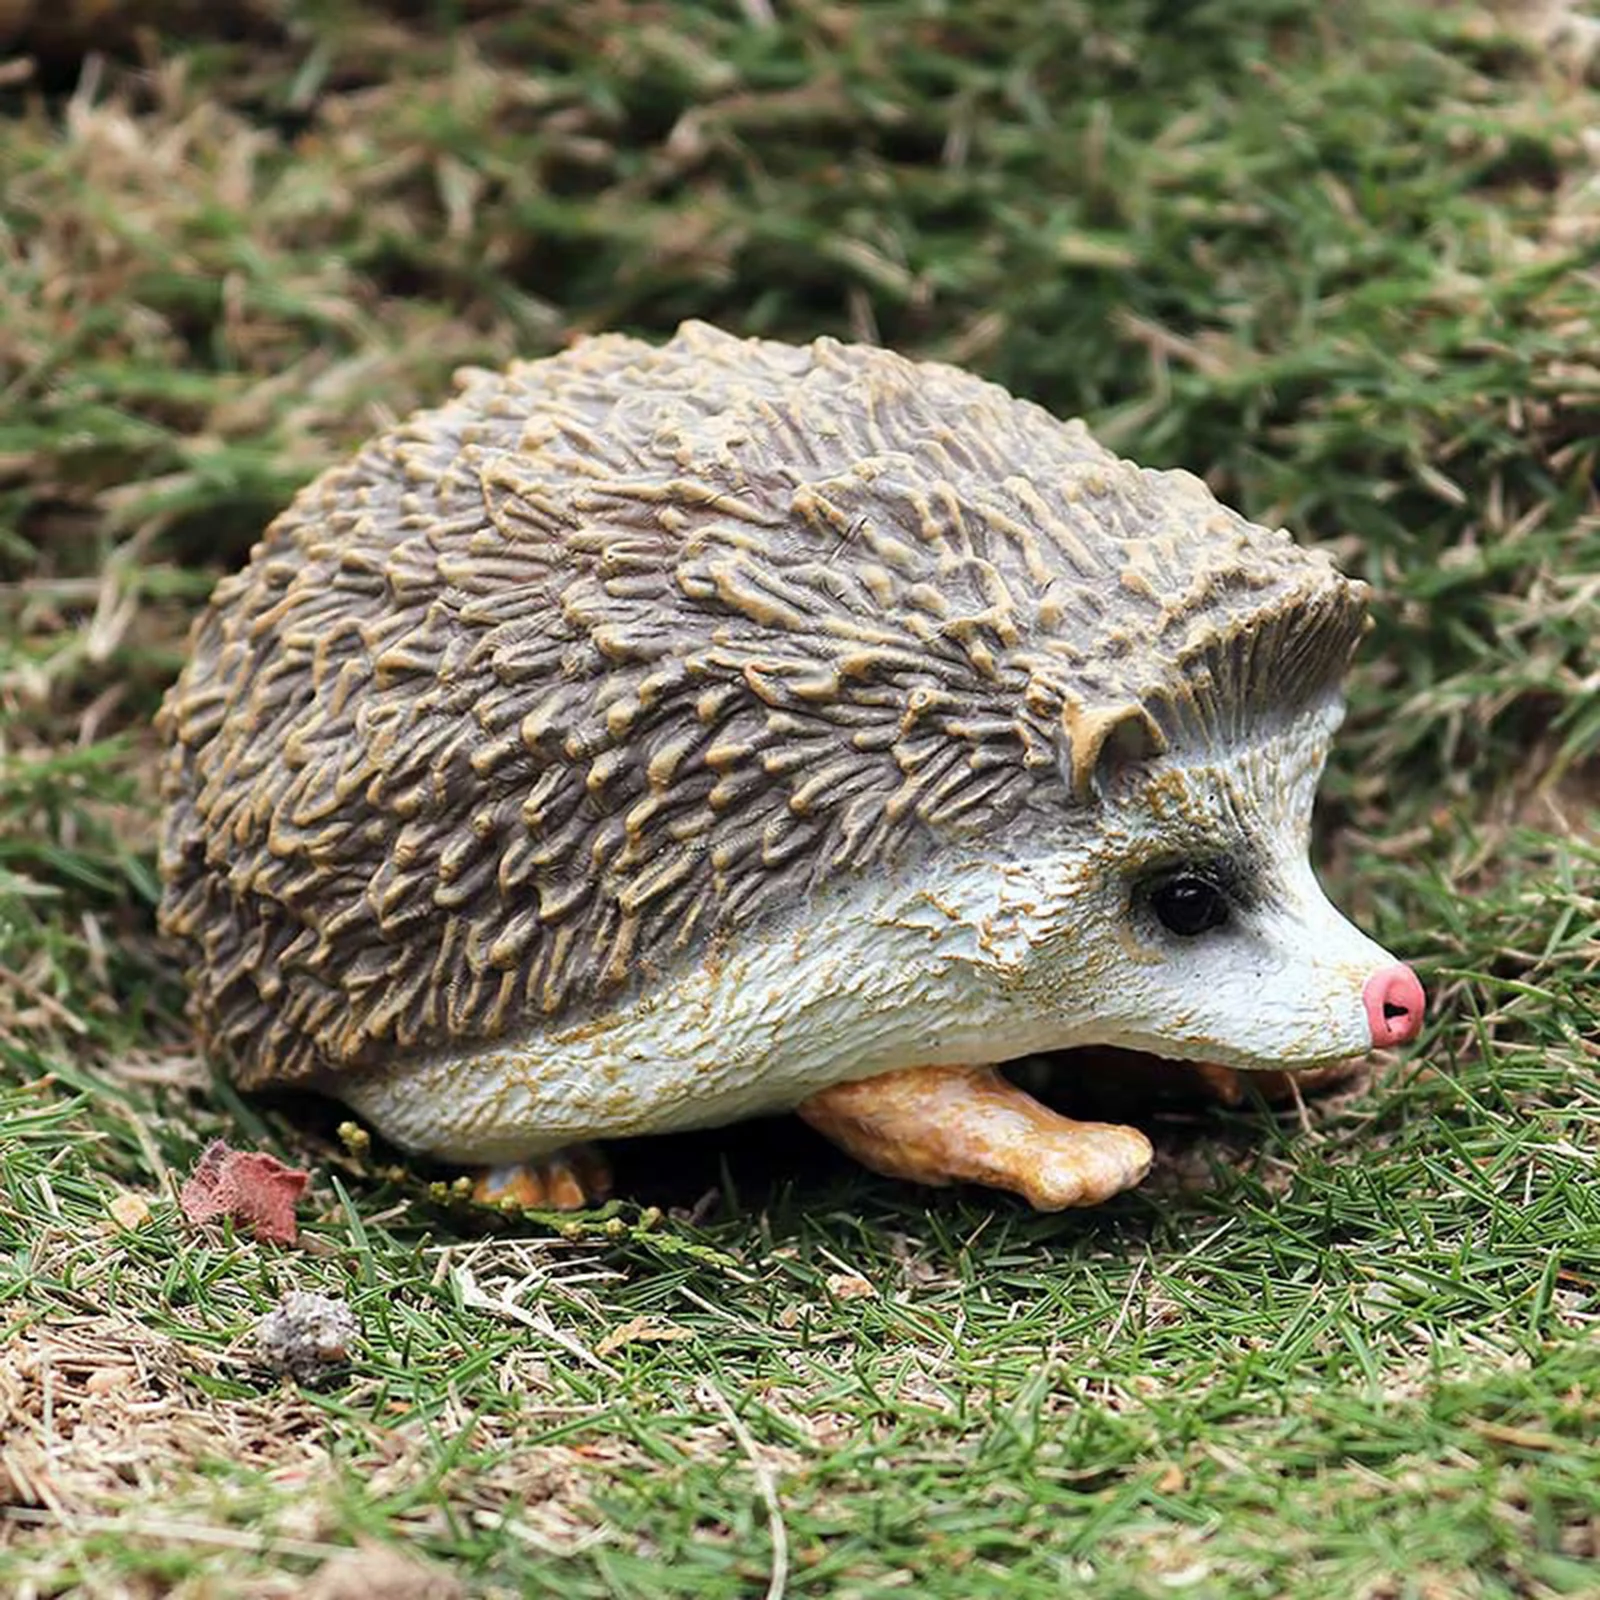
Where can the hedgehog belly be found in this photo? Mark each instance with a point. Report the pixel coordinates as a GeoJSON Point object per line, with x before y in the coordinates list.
{"type": "Point", "coordinates": [920, 972]}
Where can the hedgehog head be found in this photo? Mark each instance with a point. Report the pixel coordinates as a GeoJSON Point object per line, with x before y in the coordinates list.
{"type": "Point", "coordinates": [1192, 924]}
{"type": "Point", "coordinates": [1188, 922]}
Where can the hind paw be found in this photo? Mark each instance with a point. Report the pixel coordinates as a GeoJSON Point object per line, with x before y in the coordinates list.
{"type": "Point", "coordinates": [572, 1179]}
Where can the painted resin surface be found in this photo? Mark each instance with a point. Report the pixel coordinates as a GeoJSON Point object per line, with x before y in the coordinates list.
{"type": "Point", "coordinates": [655, 736]}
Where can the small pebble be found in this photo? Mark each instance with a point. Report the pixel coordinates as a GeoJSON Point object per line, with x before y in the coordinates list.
{"type": "Point", "coordinates": [129, 1210]}
{"type": "Point", "coordinates": [305, 1334]}
{"type": "Point", "coordinates": [849, 1286]}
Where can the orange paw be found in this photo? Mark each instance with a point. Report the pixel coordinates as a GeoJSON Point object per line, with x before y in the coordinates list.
{"type": "Point", "coordinates": [565, 1180]}
{"type": "Point", "coordinates": [968, 1124]}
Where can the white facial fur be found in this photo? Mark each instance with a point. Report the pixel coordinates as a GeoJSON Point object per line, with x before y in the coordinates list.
{"type": "Point", "coordinates": [1280, 983]}
{"type": "Point", "coordinates": [1038, 942]}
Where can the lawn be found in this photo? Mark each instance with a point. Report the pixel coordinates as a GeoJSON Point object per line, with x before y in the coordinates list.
{"type": "Point", "coordinates": [1342, 260]}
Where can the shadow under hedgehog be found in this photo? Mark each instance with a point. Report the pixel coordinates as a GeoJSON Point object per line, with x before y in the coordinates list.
{"type": "Point", "coordinates": [655, 737]}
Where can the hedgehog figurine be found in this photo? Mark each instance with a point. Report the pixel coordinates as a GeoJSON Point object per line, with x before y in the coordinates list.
{"type": "Point", "coordinates": [654, 737]}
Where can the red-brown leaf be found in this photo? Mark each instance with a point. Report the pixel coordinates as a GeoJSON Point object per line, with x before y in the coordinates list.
{"type": "Point", "coordinates": [248, 1185]}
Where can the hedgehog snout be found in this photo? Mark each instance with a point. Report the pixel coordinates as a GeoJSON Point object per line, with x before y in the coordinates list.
{"type": "Point", "coordinates": [1395, 1005]}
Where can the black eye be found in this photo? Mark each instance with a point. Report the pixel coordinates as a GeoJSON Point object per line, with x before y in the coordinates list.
{"type": "Point", "coordinates": [1188, 905]}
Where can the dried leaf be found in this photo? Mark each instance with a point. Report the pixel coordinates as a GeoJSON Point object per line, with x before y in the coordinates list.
{"type": "Point", "coordinates": [249, 1185]}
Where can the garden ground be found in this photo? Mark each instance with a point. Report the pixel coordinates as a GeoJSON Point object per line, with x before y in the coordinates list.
{"type": "Point", "coordinates": [1345, 261]}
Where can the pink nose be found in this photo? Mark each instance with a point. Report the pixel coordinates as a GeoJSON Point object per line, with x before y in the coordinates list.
{"type": "Point", "coordinates": [1395, 1003]}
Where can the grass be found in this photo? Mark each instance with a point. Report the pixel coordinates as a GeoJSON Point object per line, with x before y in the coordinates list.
{"type": "Point", "coordinates": [1345, 261]}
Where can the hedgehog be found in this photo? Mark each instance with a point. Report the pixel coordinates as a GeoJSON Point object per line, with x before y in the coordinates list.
{"type": "Point", "coordinates": [653, 737]}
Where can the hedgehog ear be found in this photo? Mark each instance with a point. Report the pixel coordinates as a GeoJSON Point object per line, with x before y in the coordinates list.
{"type": "Point", "coordinates": [1104, 739]}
